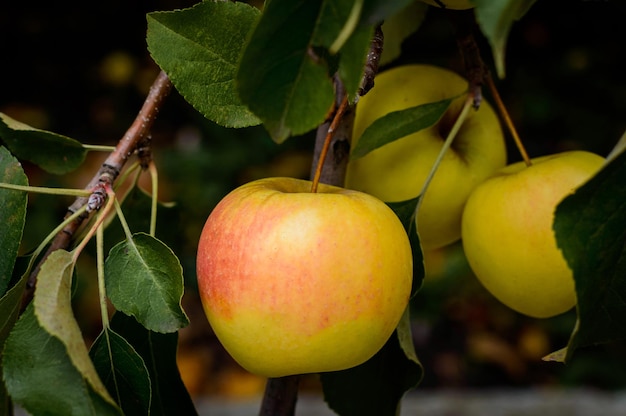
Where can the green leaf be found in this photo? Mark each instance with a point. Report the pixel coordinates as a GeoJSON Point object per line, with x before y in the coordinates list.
{"type": "Point", "coordinates": [590, 227]}
{"type": "Point", "coordinates": [52, 152]}
{"type": "Point", "coordinates": [495, 18]}
{"type": "Point", "coordinates": [53, 308]}
{"type": "Point", "coordinates": [199, 49]}
{"type": "Point", "coordinates": [400, 26]}
{"type": "Point", "coordinates": [169, 394]}
{"type": "Point", "coordinates": [377, 11]}
{"type": "Point", "coordinates": [279, 77]}
{"type": "Point", "coordinates": [145, 279]}
{"type": "Point", "coordinates": [12, 215]}
{"type": "Point", "coordinates": [398, 124]}
{"type": "Point", "coordinates": [9, 311]}
{"type": "Point", "coordinates": [376, 387]}
{"type": "Point", "coordinates": [123, 372]}
{"type": "Point", "coordinates": [353, 52]}
{"type": "Point", "coordinates": [40, 375]}
{"type": "Point", "coordinates": [405, 210]}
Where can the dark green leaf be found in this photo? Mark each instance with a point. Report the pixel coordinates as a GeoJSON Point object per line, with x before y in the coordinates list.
{"type": "Point", "coordinates": [41, 377]}
{"type": "Point", "coordinates": [199, 49]}
{"type": "Point", "coordinates": [12, 215]}
{"type": "Point", "coordinates": [495, 18]}
{"type": "Point", "coordinates": [353, 59]}
{"type": "Point", "coordinates": [398, 124]}
{"type": "Point", "coordinates": [399, 26]}
{"type": "Point", "coordinates": [590, 227]}
{"type": "Point", "coordinates": [9, 312]}
{"type": "Point", "coordinates": [53, 308]}
{"type": "Point", "coordinates": [376, 387]}
{"type": "Point", "coordinates": [52, 152]}
{"type": "Point", "coordinates": [353, 53]}
{"type": "Point", "coordinates": [123, 372]}
{"type": "Point", "coordinates": [405, 210]}
{"type": "Point", "coordinates": [375, 11]}
{"type": "Point", "coordinates": [145, 279]}
{"type": "Point", "coordinates": [169, 394]}
{"type": "Point", "coordinates": [279, 78]}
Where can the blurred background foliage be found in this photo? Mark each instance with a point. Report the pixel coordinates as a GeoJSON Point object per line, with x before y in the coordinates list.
{"type": "Point", "coordinates": [82, 70]}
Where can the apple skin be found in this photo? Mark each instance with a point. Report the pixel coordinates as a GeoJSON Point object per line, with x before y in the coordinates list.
{"type": "Point", "coordinates": [508, 237]}
{"type": "Point", "coordinates": [294, 282]}
{"type": "Point", "coordinates": [451, 4]}
{"type": "Point", "coordinates": [397, 171]}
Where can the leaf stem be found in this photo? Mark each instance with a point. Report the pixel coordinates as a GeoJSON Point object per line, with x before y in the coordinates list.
{"type": "Point", "coordinates": [120, 214]}
{"type": "Point", "coordinates": [154, 175]}
{"type": "Point", "coordinates": [348, 27]}
{"type": "Point", "coordinates": [98, 147]}
{"type": "Point", "coordinates": [327, 140]}
{"type": "Point", "coordinates": [45, 190]}
{"type": "Point", "coordinates": [467, 105]}
{"type": "Point", "coordinates": [104, 312]}
{"type": "Point", "coordinates": [507, 120]}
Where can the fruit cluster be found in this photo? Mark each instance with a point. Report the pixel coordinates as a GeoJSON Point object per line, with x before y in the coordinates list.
{"type": "Point", "coordinates": [294, 281]}
{"type": "Point", "coordinates": [503, 214]}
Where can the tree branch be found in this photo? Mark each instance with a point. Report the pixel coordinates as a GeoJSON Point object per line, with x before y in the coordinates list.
{"type": "Point", "coordinates": [137, 133]}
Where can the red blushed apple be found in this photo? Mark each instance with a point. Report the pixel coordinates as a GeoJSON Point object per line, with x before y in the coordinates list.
{"type": "Point", "coordinates": [294, 282]}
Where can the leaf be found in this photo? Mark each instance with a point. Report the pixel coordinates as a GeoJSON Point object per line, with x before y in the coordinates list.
{"type": "Point", "coordinates": [144, 279]}
{"type": "Point", "coordinates": [123, 372]}
{"type": "Point", "coordinates": [398, 124]}
{"type": "Point", "coordinates": [9, 311]}
{"type": "Point", "coordinates": [53, 308]}
{"type": "Point", "coordinates": [279, 78]}
{"type": "Point", "coordinates": [199, 49]}
{"type": "Point", "coordinates": [12, 215]}
{"type": "Point", "coordinates": [590, 228]}
{"type": "Point", "coordinates": [41, 377]}
{"type": "Point", "coordinates": [52, 152]}
{"type": "Point", "coordinates": [353, 52]}
{"type": "Point", "coordinates": [405, 211]}
{"type": "Point", "coordinates": [376, 387]}
{"type": "Point", "coordinates": [377, 11]}
{"type": "Point", "coordinates": [169, 394]}
{"type": "Point", "coordinates": [495, 18]}
{"type": "Point", "coordinates": [399, 26]}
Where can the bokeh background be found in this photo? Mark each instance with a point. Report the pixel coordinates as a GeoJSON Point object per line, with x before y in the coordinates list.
{"type": "Point", "coordinates": [83, 70]}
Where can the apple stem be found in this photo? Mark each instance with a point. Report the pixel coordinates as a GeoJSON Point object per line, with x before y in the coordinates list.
{"type": "Point", "coordinates": [507, 120]}
{"type": "Point", "coordinates": [467, 105]}
{"type": "Point", "coordinates": [327, 140]}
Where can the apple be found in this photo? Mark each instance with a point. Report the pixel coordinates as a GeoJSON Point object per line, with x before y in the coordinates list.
{"type": "Point", "coordinates": [508, 237]}
{"type": "Point", "coordinates": [294, 282]}
{"type": "Point", "coordinates": [451, 4]}
{"type": "Point", "coordinates": [397, 171]}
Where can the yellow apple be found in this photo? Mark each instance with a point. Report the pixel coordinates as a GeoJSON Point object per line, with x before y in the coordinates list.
{"type": "Point", "coordinates": [451, 4]}
{"type": "Point", "coordinates": [397, 171]}
{"type": "Point", "coordinates": [294, 282]}
{"type": "Point", "coordinates": [507, 232]}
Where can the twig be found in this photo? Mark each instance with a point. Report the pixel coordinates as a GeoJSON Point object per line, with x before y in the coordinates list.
{"type": "Point", "coordinates": [327, 141]}
{"type": "Point", "coordinates": [107, 173]}
{"type": "Point", "coordinates": [476, 71]}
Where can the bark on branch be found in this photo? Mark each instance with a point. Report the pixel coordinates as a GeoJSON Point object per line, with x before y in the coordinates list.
{"type": "Point", "coordinates": [108, 172]}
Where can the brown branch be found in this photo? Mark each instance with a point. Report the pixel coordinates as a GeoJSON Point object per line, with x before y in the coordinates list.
{"type": "Point", "coordinates": [106, 175]}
